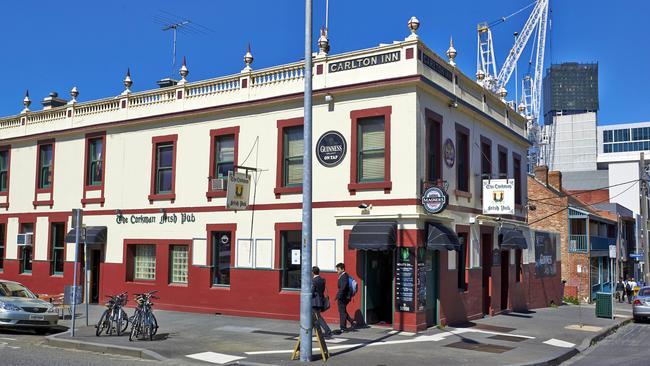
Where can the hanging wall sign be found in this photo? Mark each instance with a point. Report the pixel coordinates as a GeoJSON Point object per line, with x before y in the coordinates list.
{"type": "Point", "coordinates": [238, 191]}
{"type": "Point", "coordinates": [498, 196]}
{"type": "Point", "coordinates": [434, 200]}
{"type": "Point", "coordinates": [449, 152]}
{"type": "Point", "coordinates": [331, 149]}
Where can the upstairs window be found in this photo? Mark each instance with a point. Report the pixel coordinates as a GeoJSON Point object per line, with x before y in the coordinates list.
{"type": "Point", "coordinates": [4, 171]}
{"type": "Point", "coordinates": [292, 152]}
{"type": "Point", "coordinates": [516, 167]}
{"type": "Point", "coordinates": [503, 163]}
{"type": "Point", "coordinates": [434, 144]}
{"type": "Point", "coordinates": [224, 155]}
{"type": "Point", "coordinates": [371, 152]}
{"type": "Point", "coordinates": [164, 167]}
{"type": "Point", "coordinates": [462, 159]}
{"type": "Point", "coordinates": [45, 158]}
{"type": "Point", "coordinates": [486, 159]}
{"type": "Point", "coordinates": [95, 168]}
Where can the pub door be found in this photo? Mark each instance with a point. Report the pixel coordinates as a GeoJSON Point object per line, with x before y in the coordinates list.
{"type": "Point", "coordinates": [486, 264]}
{"type": "Point", "coordinates": [505, 278]}
{"type": "Point", "coordinates": [95, 260]}
{"type": "Point", "coordinates": [378, 282]}
{"type": "Point", "coordinates": [432, 263]}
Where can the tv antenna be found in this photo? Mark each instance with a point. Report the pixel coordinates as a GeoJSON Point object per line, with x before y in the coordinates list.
{"type": "Point", "coordinates": [174, 27]}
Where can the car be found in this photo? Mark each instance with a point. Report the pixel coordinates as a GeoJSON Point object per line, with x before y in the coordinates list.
{"type": "Point", "coordinates": [641, 304]}
{"type": "Point", "coordinates": [21, 309]}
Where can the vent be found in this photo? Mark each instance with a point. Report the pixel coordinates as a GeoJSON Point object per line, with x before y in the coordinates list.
{"type": "Point", "coordinates": [218, 184]}
{"type": "Point", "coordinates": [24, 239]}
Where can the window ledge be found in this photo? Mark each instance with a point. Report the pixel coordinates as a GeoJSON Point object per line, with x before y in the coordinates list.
{"type": "Point", "coordinates": [387, 186]}
{"type": "Point", "coordinates": [290, 291]}
{"type": "Point", "coordinates": [43, 203]}
{"type": "Point", "coordinates": [279, 191]}
{"type": "Point", "coordinates": [142, 282]}
{"type": "Point", "coordinates": [4, 205]}
{"type": "Point", "coordinates": [93, 188]}
{"type": "Point", "coordinates": [162, 197]}
{"type": "Point", "coordinates": [86, 201]}
{"type": "Point", "coordinates": [215, 194]}
{"type": "Point", "coordinates": [172, 284]}
{"type": "Point", "coordinates": [220, 287]}
{"type": "Point", "coordinates": [459, 193]}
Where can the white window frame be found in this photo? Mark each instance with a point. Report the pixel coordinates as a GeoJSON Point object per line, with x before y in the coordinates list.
{"type": "Point", "coordinates": [173, 269]}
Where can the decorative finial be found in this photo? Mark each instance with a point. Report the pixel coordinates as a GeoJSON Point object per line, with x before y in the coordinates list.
{"type": "Point", "coordinates": [127, 82]}
{"type": "Point", "coordinates": [323, 42]}
{"type": "Point", "coordinates": [480, 75]}
{"type": "Point", "coordinates": [26, 101]}
{"type": "Point", "coordinates": [521, 107]}
{"type": "Point", "coordinates": [183, 72]}
{"type": "Point", "coordinates": [74, 93]}
{"type": "Point", "coordinates": [413, 25]}
{"type": "Point", "coordinates": [451, 52]}
{"type": "Point", "coordinates": [502, 92]}
{"type": "Point", "coordinates": [248, 59]}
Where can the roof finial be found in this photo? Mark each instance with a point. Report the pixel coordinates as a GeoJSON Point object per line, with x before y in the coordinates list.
{"type": "Point", "coordinates": [248, 59]}
{"type": "Point", "coordinates": [26, 101]}
{"type": "Point", "coordinates": [74, 93]}
{"type": "Point", "coordinates": [323, 42]}
{"type": "Point", "coordinates": [127, 82]}
{"type": "Point", "coordinates": [413, 25]}
{"type": "Point", "coordinates": [451, 52]}
{"type": "Point", "coordinates": [183, 72]}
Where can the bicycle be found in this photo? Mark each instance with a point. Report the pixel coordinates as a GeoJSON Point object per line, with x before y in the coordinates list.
{"type": "Point", "coordinates": [114, 317]}
{"type": "Point", "coordinates": [144, 324]}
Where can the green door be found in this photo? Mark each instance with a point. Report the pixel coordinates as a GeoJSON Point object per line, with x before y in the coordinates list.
{"type": "Point", "coordinates": [432, 278]}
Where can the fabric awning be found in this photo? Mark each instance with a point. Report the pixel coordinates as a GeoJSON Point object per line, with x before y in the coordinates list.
{"type": "Point", "coordinates": [373, 235]}
{"type": "Point", "coordinates": [440, 237]}
{"type": "Point", "coordinates": [512, 239]}
{"type": "Point", "coordinates": [93, 235]}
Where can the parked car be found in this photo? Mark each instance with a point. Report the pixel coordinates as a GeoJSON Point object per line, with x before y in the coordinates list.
{"type": "Point", "coordinates": [641, 305]}
{"type": "Point", "coordinates": [20, 308]}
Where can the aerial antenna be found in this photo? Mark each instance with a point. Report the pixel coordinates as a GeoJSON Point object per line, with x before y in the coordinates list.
{"type": "Point", "coordinates": [174, 27]}
{"type": "Point", "coordinates": [327, 14]}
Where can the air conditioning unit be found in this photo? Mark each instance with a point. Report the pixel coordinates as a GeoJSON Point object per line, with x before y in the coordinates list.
{"type": "Point", "coordinates": [218, 184]}
{"type": "Point", "coordinates": [25, 239]}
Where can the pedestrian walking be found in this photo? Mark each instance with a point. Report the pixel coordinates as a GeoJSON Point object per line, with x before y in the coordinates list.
{"type": "Point", "coordinates": [343, 296]}
{"type": "Point", "coordinates": [320, 302]}
{"type": "Point", "coordinates": [628, 291]}
{"type": "Point", "coordinates": [620, 290]}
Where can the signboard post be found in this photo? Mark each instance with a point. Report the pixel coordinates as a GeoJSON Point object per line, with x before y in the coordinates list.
{"type": "Point", "coordinates": [498, 196]}
{"type": "Point", "coordinates": [238, 191]}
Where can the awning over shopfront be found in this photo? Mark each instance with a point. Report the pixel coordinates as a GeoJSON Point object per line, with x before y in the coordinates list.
{"type": "Point", "coordinates": [93, 235]}
{"type": "Point", "coordinates": [440, 237]}
{"type": "Point", "coordinates": [512, 239]}
{"type": "Point", "coordinates": [373, 235]}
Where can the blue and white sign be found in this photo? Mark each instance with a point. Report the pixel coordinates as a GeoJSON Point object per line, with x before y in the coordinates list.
{"type": "Point", "coordinates": [636, 255]}
{"type": "Point", "coordinates": [434, 200]}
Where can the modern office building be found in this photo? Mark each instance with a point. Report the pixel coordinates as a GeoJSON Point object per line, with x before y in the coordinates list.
{"type": "Point", "coordinates": [149, 169]}
{"type": "Point", "coordinates": [570, 143]}
{"type": "Point", "coordinates": [570, 88]}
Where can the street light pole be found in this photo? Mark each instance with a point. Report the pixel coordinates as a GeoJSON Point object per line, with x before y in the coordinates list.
{"type": "Point", "coordinates": [305, 260]}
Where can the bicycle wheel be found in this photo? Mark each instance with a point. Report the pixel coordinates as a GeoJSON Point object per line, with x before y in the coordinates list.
{"type": "Point", "coordinates": [135, 328]}
{"type": "Point", "coordinates": [154, 322]}
{"type": "Point", "coordinates": [123, 322]}
{"type": "Point", "coordinates": [101, 324]}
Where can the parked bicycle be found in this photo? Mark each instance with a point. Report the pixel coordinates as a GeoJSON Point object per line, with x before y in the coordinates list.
{"type": "Point", "coordinates": [114, 318]}
{"type": "Point", "coordinates": [143, 323]}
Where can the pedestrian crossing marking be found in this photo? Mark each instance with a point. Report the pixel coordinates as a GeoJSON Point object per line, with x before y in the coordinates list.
{"type": "Point", "coordinates": [214, 357]}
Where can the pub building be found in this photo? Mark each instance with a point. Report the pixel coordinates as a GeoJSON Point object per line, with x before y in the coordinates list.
{"type": "Point", "coordinates": [402, 139]}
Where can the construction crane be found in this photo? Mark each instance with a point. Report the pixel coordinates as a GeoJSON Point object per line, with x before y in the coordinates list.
{"type": "Point", "coordinates": [495, 80]}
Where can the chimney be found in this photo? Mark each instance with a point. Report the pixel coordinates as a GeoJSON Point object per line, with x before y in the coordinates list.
{"type": "Point", "coordinates": [555, 179]}
{"type": "Point", "coordinates": [53, 101]}
{"type": "Point", "coordinates": [541, 173]}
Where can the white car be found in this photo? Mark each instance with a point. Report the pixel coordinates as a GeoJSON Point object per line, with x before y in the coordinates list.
{"type": "Point", "coordinates": [20, 308]}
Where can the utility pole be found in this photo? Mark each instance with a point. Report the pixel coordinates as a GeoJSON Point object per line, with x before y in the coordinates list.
{"type": "Point", "coordinates": [305, 260]}
{"type": "Point", "coordinates": [644, 217]}
{"type": "Point", "coordinates": [76, 222]}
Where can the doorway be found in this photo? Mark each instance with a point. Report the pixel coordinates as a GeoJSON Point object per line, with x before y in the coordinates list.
{"type": "Point", "coordinates": [431, 267]}
{"type": "Point", "coordinates": [505, 278]}
{"type": "Point", "coordinates": [95, 260]}
{"type": "Point", "coordinates": [486, 264]}
{"type": "Point", "coordinates": [378, 283]}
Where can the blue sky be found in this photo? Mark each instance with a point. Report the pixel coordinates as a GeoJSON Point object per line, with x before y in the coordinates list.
{"type": "Point", "coordinates": [53, 46]}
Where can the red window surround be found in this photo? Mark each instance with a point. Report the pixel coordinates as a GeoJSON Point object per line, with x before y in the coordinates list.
{"type": "Point", "coordinates": [155, 141]}
{"type": "Point", "coordinates": [210, 194]}
{"type": "Point", "coordinates": [354, 185]}
{"type": "Point", "coordinates": [232, 228]}
{"type": "Point", "coordinates": [50, 190]}
{"type": "Point", "coordinates": [86, 187]}
{"type": "Point", "coordinates": [434, 121]}
{"type": "Point", "coordinates": [56, 218]}
{"type": "Point", "coordinates": [465, 231]}
{"type": "Point", "coordinates": [279, 172]}
{"type": "Point", "coordinates": [279, 228]}
{"type": "Point", "coordinates": [163, 272]}
{"type": "Point", "coordinates": [462, 131]}
{"type": "Point", "coordinates": [6, 148]}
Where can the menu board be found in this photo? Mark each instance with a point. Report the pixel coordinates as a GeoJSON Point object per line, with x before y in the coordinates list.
{"type": "Point", "coordinates": [405, 280]}
{"type": "Point", "coordinates": [422, 280]}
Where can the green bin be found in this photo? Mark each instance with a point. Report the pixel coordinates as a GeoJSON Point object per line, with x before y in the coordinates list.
{"type": "Point", "coordinates": [604, 305]}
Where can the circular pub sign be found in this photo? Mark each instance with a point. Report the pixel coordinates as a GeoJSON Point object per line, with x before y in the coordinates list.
{"type": "Point", "coordinates": [434, 200]}
{"type": "Point", "coordinates": [449, 152]}
{"type": "Point", "coordinates": [331, 149]}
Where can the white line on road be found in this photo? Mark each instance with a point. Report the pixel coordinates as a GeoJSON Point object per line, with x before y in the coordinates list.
{"type": "Point", "coordinates": [559, 343]}
{"type": "Point", "coordinates": [214, 357]}
{"type": "Point", "coordinates": [8, 339]}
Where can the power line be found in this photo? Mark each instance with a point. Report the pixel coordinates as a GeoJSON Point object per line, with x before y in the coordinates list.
{"type": "Point", "coordinates": [582, 192]}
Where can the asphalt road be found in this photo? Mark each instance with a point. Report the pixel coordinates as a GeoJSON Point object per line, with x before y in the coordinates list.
{"type": "Point", "coordinates": [28, 349]}
{"type": "Point", "coordinates": [628, 346]}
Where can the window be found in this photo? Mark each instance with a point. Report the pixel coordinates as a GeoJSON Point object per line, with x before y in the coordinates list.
{"type": "Point", "coordinates": [145, 262]}
{"type": "Point", "coordinates": [292, 152]}
{"type": "Point", "coordinates": [178, 260]}
{"type": "Point", "coordinates": [224, 159]}
{"type": "Point", "coordinates": [163, 168]}
{"type": "Point", "coordinates": [57, 238]}
{"type": "Point", "coordinates": [434, 145]}
{"type": "Point", "coordinates": [462, 158]}
{"type": "Point", "coordinates": [503, 162]}
{"type": "Point", "coordinates": [221, 245]}
{"type": "Point", "coordinates": [370, 152]}
{"type": "Point", "coordinates": [4, 170]}
{"type": "Point", "coordinates": [291, 258]}
{"type": "Point", "coordinates": [25, 252]}
{"type": "Point", "coordinates": [607, 136]}
{"type": "Point", "coordinates": [2, 246]}
{"type": "Point", "coordinates": [516, 168]}
{"type": "Point", "coordinates": [463, 261]}
{"type": "Point", "coordinates": [45, 158]}
{"type": "Point", "coordinates": [95, 168]}
{"type": "Point", "coordinates": [486, 158]}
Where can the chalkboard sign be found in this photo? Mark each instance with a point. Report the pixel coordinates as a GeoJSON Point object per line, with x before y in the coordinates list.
{"type": "Point", "coordinates": [405, 280]}
{"type": "Point", "coordinates": [422, 280]}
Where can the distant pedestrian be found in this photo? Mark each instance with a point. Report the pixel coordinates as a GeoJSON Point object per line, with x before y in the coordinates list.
{"type": "Point", "coordinates": [628, 291]}
{"type": "Point", "coordinates": [343, 296]}
{"type": "Point", "coordinates": [319, 302]}
{"type": "Point", "coordinates": [620, 290]}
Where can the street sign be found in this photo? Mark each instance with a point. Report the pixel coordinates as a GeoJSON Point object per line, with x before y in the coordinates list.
{"type": "Point", "coordinates": [636, 255]}
{"type": "Point", "coordinates": [238, 191]}
{"type": "Point", "coordinates": [612, 251]}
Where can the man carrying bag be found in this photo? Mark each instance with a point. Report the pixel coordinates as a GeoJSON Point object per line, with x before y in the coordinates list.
{"type": "Point", "coordinates": [319, 301]}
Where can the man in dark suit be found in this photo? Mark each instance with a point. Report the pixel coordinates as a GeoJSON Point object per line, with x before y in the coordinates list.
{"type": "Point", "coordinates": [343, 297]}
{"type": "Point", "coordinates": [318, 299]}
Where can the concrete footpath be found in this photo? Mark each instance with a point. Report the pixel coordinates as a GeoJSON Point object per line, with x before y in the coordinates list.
{"type": "Point", "coordinates": [539, 337]}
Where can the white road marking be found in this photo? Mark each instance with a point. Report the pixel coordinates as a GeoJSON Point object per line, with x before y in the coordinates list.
{"type": "Point", "coordinates": [8, 339]}
{"type": "Point", "coordinates": [213, 357]}
{"type": "Point", "coordinates": [397, 332]}
{"type": "Point", "coordinates": [331, 340]}
{"type": "Point", "coordinates": [417, 339]}
{"type": "Point", "coordinates": [559, 343]}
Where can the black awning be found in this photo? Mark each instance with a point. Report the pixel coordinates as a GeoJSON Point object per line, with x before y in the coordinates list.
{"type": "Point", "coordinates": [93, 235]}
{"type": "Point", "coordinates": [440, 237]}
{"type": "Point", "coordinates": [512, 239]}
{"type": "Point", "coordinates": [373, 235]}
